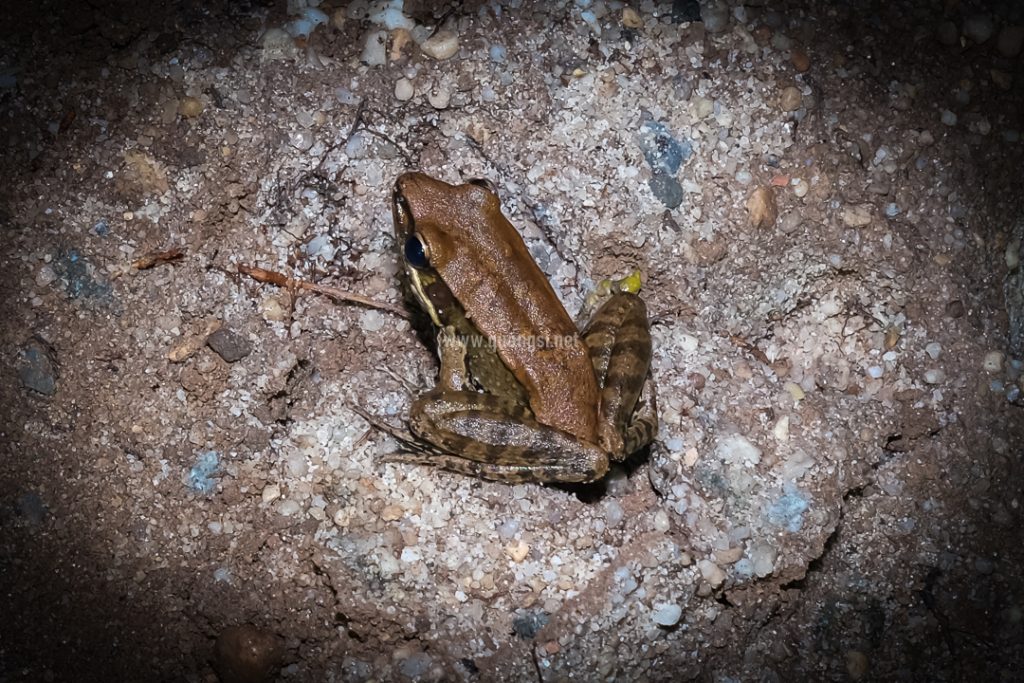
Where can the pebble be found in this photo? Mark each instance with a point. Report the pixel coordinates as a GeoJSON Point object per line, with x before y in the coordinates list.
{"type": "Point", "coordinates": [497, 53]}
{"type": "Point", "coordinates": [711, 573]}
{"type": "Point", "coordinates": [229, 345]}
{"type": "Point", "coordinates": [190, 107]}
{"type": "Point", "coordinates": [338, 17]}
{"type": "Point", "coordinates": [737, 450]}
{"type": "Point", "coordinates": [685, 11]}
{"type": "Point", "coordinates": [375, 49]}
{"type": "Point", "coordinates": [715, 18]}
{"type": "Point", "coordinates": [762, 558]}
{"type": "Point", "coordinates": [781, 429]}
{"type": "Point", "coordinates": [666, 614]}
{"type": "Point", "coordinates": [613, 513]}
{"type": "Point", "coordinates": [288, 508]}
{"type": "Point", "coordinates": [1010, 41]}
{"type": "Point", "coordinates": [933, 350]}
{"type": "Point", "coordinates": [993, 361]}
{"type": "Point", "coordinates": [948, 117]}
{"type": "Point", "coordinates": [246, 654]}
{"type": "Point", "coordinates": [270, 493]}
{"type": "Point", "coordinates": [38, 369]}
{"type": "Point", "coordinates": [856, 664]}
{"type": "Point", "coordinates": [800, 61]}
{"type": "Point", "coordinates": [801, 188]}
{"type": "Point", "coordinates": [440, 46]}
{"type": "Point", "coordinates": [663, 152]}
{"type": "Point", "coordinates": [630, 19]}
{"type": "Point", "coordinates": [306, 22]}
{"type": "Point", "coordinates": [856, 215]}
{"type": "Point", "coordinates": [979, 28]}
{"type": "Point", "coordinates": [517, 551]}
{"type": "Point", "coordinates": [875, 371]}
{"type": "Point", "coordinates": [301, 139]}
{"type": "Point", "coordinates": [666, 189]}
{"type": "Point", "coordinates": [390, 513]}
{"type": "Point", "coordinates": [278, 45]}
{"type": "Point", "coordinates": [934, 376]}
{"type": "Point", "coordinates": [892, 210]}
{"type": "Point", "coordinates": [200, 476]}
{"type": "Point", "coordinates": [791, 98]}
{"type": "Point", "coordinates": [661, 521]}
{"type": "Point", "coordinates": [415, 665]}
{"type": "Point", "coordinates": [439, 97]}
{"type": "Point", "coordinates": [762, 210]}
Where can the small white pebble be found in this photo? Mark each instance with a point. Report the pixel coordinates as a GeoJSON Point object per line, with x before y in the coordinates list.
{"type": "Point", "coordinates": [934, 376]}
{"type": "Point", "coordinates": [993, 361]}
{"type": "Point", "coordinates": [661, 521]}
{"type": "Point", "coordinates": [404, 89]}
{"type": "Point", "coordinates": [441, 45]}
{"type": "Point", "coordinates": [271, 492]}
{"type": "Point", "coordinates": [288, 508]}
{"type": "Point", "coordinates": [800, 188]}
{"type": "Point", "coordinates": [781, 429]}
{"type": "Point", "coordinates": [875, 371]}
{"type": "Point", "coordinates": [667, 614]}
{"type": "Point", "coordinates": [933, 350]}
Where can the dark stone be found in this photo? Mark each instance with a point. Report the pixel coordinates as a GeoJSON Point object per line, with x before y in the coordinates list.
{"type": "Point", "coordinates": [685, 10]}
{"type": "Point", "coordinates": [229, 345]}
{"type": "Point", "coordinates": [667, 190]}
{"type": "Point", "coordinates": [38, 370]}
{"type": "Point", "coordinates": [526, 626]}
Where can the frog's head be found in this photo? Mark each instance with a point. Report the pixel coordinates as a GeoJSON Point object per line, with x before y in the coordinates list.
{"type": "Point", "coordinates": [434, 224]}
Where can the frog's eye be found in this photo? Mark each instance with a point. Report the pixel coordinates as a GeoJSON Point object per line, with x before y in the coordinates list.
{"type": "Point", "coordinates": [486, 184]}
{"type": "Point", "coordinates": [416, 252]}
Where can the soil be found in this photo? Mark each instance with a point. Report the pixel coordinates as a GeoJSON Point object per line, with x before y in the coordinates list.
{"type": "Point", "coordinates": [824, 201]}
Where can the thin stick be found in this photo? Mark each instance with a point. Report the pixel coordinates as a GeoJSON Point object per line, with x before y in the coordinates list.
{"type": "Point", "coordinates": [282, 280]}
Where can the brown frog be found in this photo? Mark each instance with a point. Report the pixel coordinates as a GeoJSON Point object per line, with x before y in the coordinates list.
{"type": "Point", "coordinates": [522, 394]}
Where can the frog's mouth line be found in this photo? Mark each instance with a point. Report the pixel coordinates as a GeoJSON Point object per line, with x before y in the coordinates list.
{"type": "Point", "coordinates": [419, 286]}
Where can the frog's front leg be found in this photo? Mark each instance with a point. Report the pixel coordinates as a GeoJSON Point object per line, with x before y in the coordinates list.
{"type": "Point", "coordinates": [490, 437]}
{"type": "Point", "coordinates": [619, 340]}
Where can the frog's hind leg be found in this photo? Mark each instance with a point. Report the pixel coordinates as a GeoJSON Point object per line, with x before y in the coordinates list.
{"type": "Point", "coordinates": [619, 340]}
{"type": "Point", "coordinates": [490, 437]}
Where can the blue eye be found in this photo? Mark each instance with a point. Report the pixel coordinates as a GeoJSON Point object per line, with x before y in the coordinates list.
{"type": "Point", "coordinates": [416, 252]}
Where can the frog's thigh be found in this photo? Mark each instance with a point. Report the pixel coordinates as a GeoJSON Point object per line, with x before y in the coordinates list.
{"type": "Point", "coordinates": [619, 340]}
{"type": "Point", "coordinates": [490, 437]}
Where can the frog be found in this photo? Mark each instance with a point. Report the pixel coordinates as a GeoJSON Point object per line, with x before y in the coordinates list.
{"type": "Point", "coordinates": [523, 395]}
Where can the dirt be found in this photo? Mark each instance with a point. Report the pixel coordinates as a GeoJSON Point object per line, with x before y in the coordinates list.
{"type": "Point", "coordinates": [825, 203]}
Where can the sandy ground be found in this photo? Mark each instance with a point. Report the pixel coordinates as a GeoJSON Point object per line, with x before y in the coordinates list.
{"type": "Point", "coordinates": [825, 204]}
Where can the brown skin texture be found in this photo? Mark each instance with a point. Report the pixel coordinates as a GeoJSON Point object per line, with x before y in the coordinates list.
{"type": "Point", "coordinates": [489, 270]}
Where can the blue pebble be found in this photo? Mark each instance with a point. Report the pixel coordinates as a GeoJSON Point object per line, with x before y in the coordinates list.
{"type": "Point", "coordinates": [662, 151]}
{"type": "Point", "coordinates": [80, 284]}
{"type": "Point", "coordinates": [200, 477]}
{"type": "Point", "coordinates": [891, 210]}
{"type": "Point", "coordinates": [497, 54]}
{"type": "Point", "coordinates": [101, 228]}
{"type": "Point", "coordinates": [788, 511]}
{"type": "Point", "coordinates": [666, 189]}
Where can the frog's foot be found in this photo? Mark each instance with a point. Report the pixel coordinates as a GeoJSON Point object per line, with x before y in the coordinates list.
{"type": "Point", "coordinates": [409, 386]}
{"type": "Point", "coordinates": [605, 289]}
{"type": "Point", "coordinates": [405, 439]}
